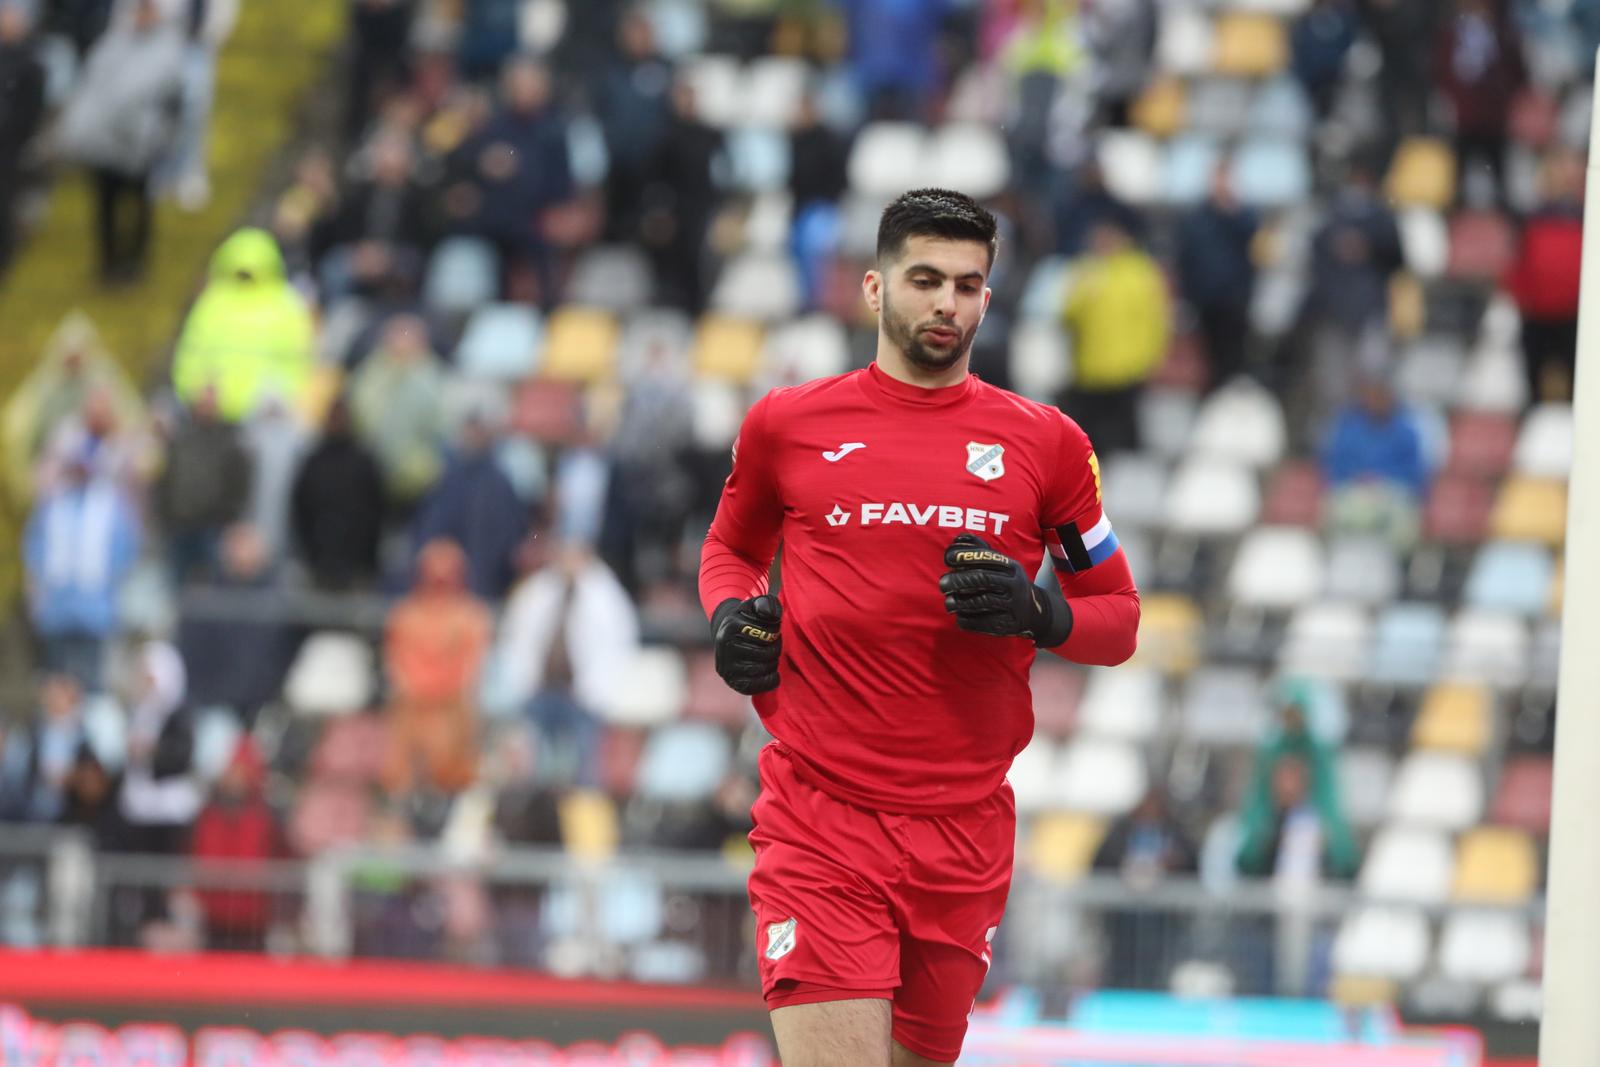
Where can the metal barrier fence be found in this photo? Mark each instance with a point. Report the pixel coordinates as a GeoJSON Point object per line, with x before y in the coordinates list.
{"type": "Point", "coordinates": [658, 917]}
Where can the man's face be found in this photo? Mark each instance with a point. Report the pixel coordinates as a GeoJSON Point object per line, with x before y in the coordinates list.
{"type": "Point", "coordinates": [931, 299]}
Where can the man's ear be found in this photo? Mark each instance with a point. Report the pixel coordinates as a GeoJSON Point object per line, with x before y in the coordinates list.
{"type": "Point", "coordinates": [988, 294]}
{"type": "Point", "coordinates": [872, 289]}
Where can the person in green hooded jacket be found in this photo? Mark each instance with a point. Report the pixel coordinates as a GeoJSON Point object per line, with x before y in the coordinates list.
{"type": "Point", "coordinates": [1294, 787]}
{"type": "Point", "coordinates": [250, 333]}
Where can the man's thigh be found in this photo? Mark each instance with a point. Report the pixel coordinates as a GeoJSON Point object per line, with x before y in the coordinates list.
{"type": "Point", "coordinates": [834, 1033]}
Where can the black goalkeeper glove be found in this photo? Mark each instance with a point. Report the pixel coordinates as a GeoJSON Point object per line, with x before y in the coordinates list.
{"type": "Point", "coordinates": [745, 636]}
{"type": "Point", "coordinates": [989, 593]}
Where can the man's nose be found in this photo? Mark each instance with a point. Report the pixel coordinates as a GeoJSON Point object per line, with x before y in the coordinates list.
{"type": "Point", "coordinates": [944, 302]}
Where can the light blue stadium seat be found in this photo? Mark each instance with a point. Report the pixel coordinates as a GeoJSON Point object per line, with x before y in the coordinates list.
{"type": "Point", "coordinates": [1271, 172]}
{"type": "Point", "coordinates": [611, 276]}
{"type": "Point", "coordinates": [463, 273]}
{"type": "Point", "coordinates": [683, 761]}
{"type": "Point", "coordinates": [1224, 706]}
{"type": "Point", "coordinates": [1511, 576]}
{"type": "Point", "coordinates": [1046, 290]}
{"type": "Point", "coordinates": [1191, 160]}
{"type": "Point", "coordinates": [1219, 106]}
{"type": "Point", "coordinates": [1365, 570]}
{"type": "Point", "coordinates": [1410, 637]}
{"type": "Point", "coordinates": [501, 342]}
{"type": "Point", "coordinates": [524, 463]}
{"type": "Point", "coordinates": [1281, 109]}
{"type": "Point", "coordinates": [216, 736]}
{"type": "Point", "coordinates": [758, 157]}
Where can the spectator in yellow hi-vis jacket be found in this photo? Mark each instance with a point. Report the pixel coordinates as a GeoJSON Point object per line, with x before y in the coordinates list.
{"type": "Point", "coordinates": [1118, 319]}
{"type": "Point", "coordinates": [250, 333]}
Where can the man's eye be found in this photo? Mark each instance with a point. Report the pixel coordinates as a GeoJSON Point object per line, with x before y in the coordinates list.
{"type": "Point", "coordinates": [969, 289]}
{"type": "Point", "coordinates": [922, 283]}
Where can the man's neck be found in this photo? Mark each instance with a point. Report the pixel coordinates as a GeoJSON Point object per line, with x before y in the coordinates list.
{"type": "Point", "coordinates": [894, 363]}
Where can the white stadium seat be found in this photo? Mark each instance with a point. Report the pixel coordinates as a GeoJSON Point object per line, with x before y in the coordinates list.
{"type": "Point", "coordinates": [653, 690]}
{"type": "Point", "coordinates": [1243, 422]}
{"type": "Point", "coordinates": [1408, 864]}
{"type": "Point", "coordinates": [1277, 568]}
{"type": "Point", "coordinates": [1437, 789]}
{"type": "Point", "coordinates": [331, 675]}
{"type": "Point", "coordinates": [1484, 946]}
{"type": "Point", "coordinates": [1100, 777]}
{"type": "Point", "coordinates": [1212, 497]}
{"type": "Point", "coordinates": [1382, 942]}
{"type": "Point", "coordinates": [1123, 703]}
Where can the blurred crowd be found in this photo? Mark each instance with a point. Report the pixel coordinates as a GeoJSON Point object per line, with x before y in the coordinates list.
{"type": "Point", "coordinates": [315, 437]}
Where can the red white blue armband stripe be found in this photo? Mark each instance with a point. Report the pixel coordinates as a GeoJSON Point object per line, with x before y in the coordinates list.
{"type": "Point", "coordinates": [1078, 551]}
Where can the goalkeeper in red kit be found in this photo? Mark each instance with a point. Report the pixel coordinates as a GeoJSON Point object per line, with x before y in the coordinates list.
{"type": "Point", "coordinates": [913, 502]}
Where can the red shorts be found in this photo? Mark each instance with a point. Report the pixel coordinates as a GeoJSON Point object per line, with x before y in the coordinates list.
{"type": "Point", "coordinates": [854, 903]}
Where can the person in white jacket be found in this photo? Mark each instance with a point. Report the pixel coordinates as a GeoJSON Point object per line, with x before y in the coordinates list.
{"type": "Point", "coordinates": [206, 24]}
{"type": "Point", "coordinates": [567, 637]}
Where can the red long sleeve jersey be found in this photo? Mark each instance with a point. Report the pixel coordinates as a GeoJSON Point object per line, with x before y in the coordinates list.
{"type": "Point", "coordinates": [865, 480]}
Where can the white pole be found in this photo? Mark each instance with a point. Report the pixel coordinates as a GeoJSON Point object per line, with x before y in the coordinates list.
{"type": "Point", "coordinates": [1570, 1036]}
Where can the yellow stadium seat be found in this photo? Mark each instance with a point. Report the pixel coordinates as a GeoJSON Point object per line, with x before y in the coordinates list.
{"type": "Point", "coordinates": [1354, 991]}
{"type": "Point", "coordinates": [588, 824]}
{"type": "Point", "coordinates": [1170, 633]}
{"type": "Point", "coordinates": [580, 345]}
{"type": "Point", "coordinates": [1160, 110]}
{"type": "Point", "coordinates": [1408, 306]}
{"type": "Point", "coordinates": [1249, 44]}
{"type": "Point", "coordinates": [317, 396]}
{"type": "Point", "coordinates": [1423, 174]}
{"type": "Point", "coordinates": [1531, 509]}
{"type": "Point", "coordinates": [1061, 846]}
{"type": "Point", "coordinates": [1558, 588]}
{"type": "Point", "coordinates": [1454, 718]}
{"type": "Point", "coordinates": [727, 347]}
{"type": "Point", "coordinates": [1495, 865]}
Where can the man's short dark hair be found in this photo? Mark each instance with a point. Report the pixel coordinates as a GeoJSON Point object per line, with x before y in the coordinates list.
{"type": "Point", "coordinates": [935, 213]}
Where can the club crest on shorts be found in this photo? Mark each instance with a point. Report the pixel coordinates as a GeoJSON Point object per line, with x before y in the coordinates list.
{"type": "Point", "coordinates": [986, 461]}
{"type": "Point", "coordinates": [780, 939]}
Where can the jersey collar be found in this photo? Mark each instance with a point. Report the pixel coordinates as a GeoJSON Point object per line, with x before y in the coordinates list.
{"type": "Point", "coordinates": [879, 385]}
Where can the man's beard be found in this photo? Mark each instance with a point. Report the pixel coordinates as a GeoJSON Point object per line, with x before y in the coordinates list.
{"type": "Point", "coordinates": [908, 338]}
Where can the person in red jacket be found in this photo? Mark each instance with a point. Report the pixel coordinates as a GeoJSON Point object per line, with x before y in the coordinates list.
{"type": "Point", "coordinates": [914, 503]}
{"type": "Point", "coordinates": [235, 829]}
{"type": "Point", "coordinates": [1544, 280]}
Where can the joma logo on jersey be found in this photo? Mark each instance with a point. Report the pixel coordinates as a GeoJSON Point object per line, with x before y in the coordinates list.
{"type": "Point", "coordinates": [949, 516]}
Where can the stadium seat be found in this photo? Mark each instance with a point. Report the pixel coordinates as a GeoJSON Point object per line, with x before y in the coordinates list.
{"type": "Point", "coordinates": [719, 408]}
{"type": "Point", "coordinates": [1281, 109]}
{"type": "Point", "coordinates": [1060, 846]}
{"type": "Point", "coordinates": [1457, 510]}
{"type": "Point", "coordinates": [1510, 576]}
{"type": "Point", "coordinates": [802, 349]}
{"type": "Point", "coordinates": [655, 341]}
{"type": "Point", "coordinates": [1158, 110]}
{"type": "Point", "coordinates": [1487, 646]}
{"type": "Point", "coordinates": [1100, 776]}
{"type": "Point", "coordinates": [758, 159]}
{"type": "Point", "coordinates": [709, 697]}
{"type": "Point", "coordinates": [613, 277]}
{"type": "Point", "coordinates": [770, 227]}
{"type": "Point", "coordinates": [1033, 775]}
{"type": "Point", "coordinates": [1530, 509]}
{"type": "Point", "coordinates": [1184, 43]}
{"type": "Point", "coordinates": [1294, 495]}
{"type": "Point", "coordinates": [1045, 293]}
{"type": "Point", "coordinates": [1546, 659]}
{"type": "Point", "coordinates": [1277, 568]}
{"type": "Point", "coordinates": [589, 826]}
{"type": "Point", "coordinates": [1271, 172]}
{"type": "Point", "coordinates": [1425, 241]}
{"type": "Point", "coordinates": [1133, 487]}
{"type": "Point", "coordinates": [1409, 641]}
{"type": "Point", "coordinates": [887, 159]}
{"type": "Point", "coordinates": [1483, 245]}
{"type": "Point", "coordinates": [1523, 796]}
{"type": "Point", "coordinates": [1184, 367]}
{"type": "Point", "coordinates": [620, 752]}
{"type": "Point", "coordinates": [501, 343]}
{"type": "Point", "coordinates": [1171, 632]}
{"type": "Point", "coordinates": [350, 750]}
{"type": "Point", "coordinates": [667, 963]}
{"type": "Point", "coordinates": [683, 762]}
{"type": "Point", "coordinates": [1422, 174]}
{"type": "Point", "coordinates": [1125, 703]}
{"type": "Point", "coordinates": [773, 89]}
{"type": "Point", "coordinates": [548, 412]}
{"type": "Point", "coordinates": [1277, 300]}
{"type": "Point", "coordinates": [1481, 443]}
{"type": "Point", "coordinates": [1430, 370]}
{"type": "Point", "coordinates": [463, 273]}
{"type": "Point", "coordinates": [1224, 706]}
{"type": "Point", "coordinates": [1407, 863]}
{"type": "Point", "coordinates": [1495, 865]}
{"type": "Point", "coordinates": [328, 814]}
{"type": "Point", "coordinates": [1242, 422]}
{"type": "Point", "coordinates": [1484, 946]}
{"type": "Point", "coordinates": [727, 347]}
{"type": "Point", "coordinates": [1533, 118]}
{"type": "Point", "coordinates": [1437, 789]}
{"type": "Point", "coordinates": [1209, 496]}
{"type": "Point", "coordinates": [1365, 775]}
{"type": "Point", "coordinates": [1057, 689]}
{"type": "Point", "coordinates": [216, 736]}
{"type": "Point", "coordinates": [718, 82]}
{"type": "Point", "coordinates": [331, 675]}
{"type": "Point", "coordinates": [1191, 162]}
{"type": "Point", "coordinates": [1455, 717]}
{"type": "Point", "coordinates": [1248, 45]}
{"type": "Point", "coordinates": [1324, 640]}
{"type": "Point", "coordinates": [1131, 164]}
{"type": "Point", "coordinates": [1572, 124]}
{"type": "Point", "coordinates": [1494, 381]}
{"type": "Point", "coordinates": [1039, 362]}
{"type": "Point", "coordinates": [758, 286]}
{"type": "Point", "coordinates": [653, 690]}
{"type": "Point", "coordinates": [1166, 421]}
{"type": "Point", "coordinates": [1363, 570]}
{"type": "Point", "coordinates": [1544, 445]}
{"type": "Point", "coordinates": [969, 156]}
{"type": "Point", "coordinates": [1382, 942]}
{"type": "Point", "coordinates": [580, 346]}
